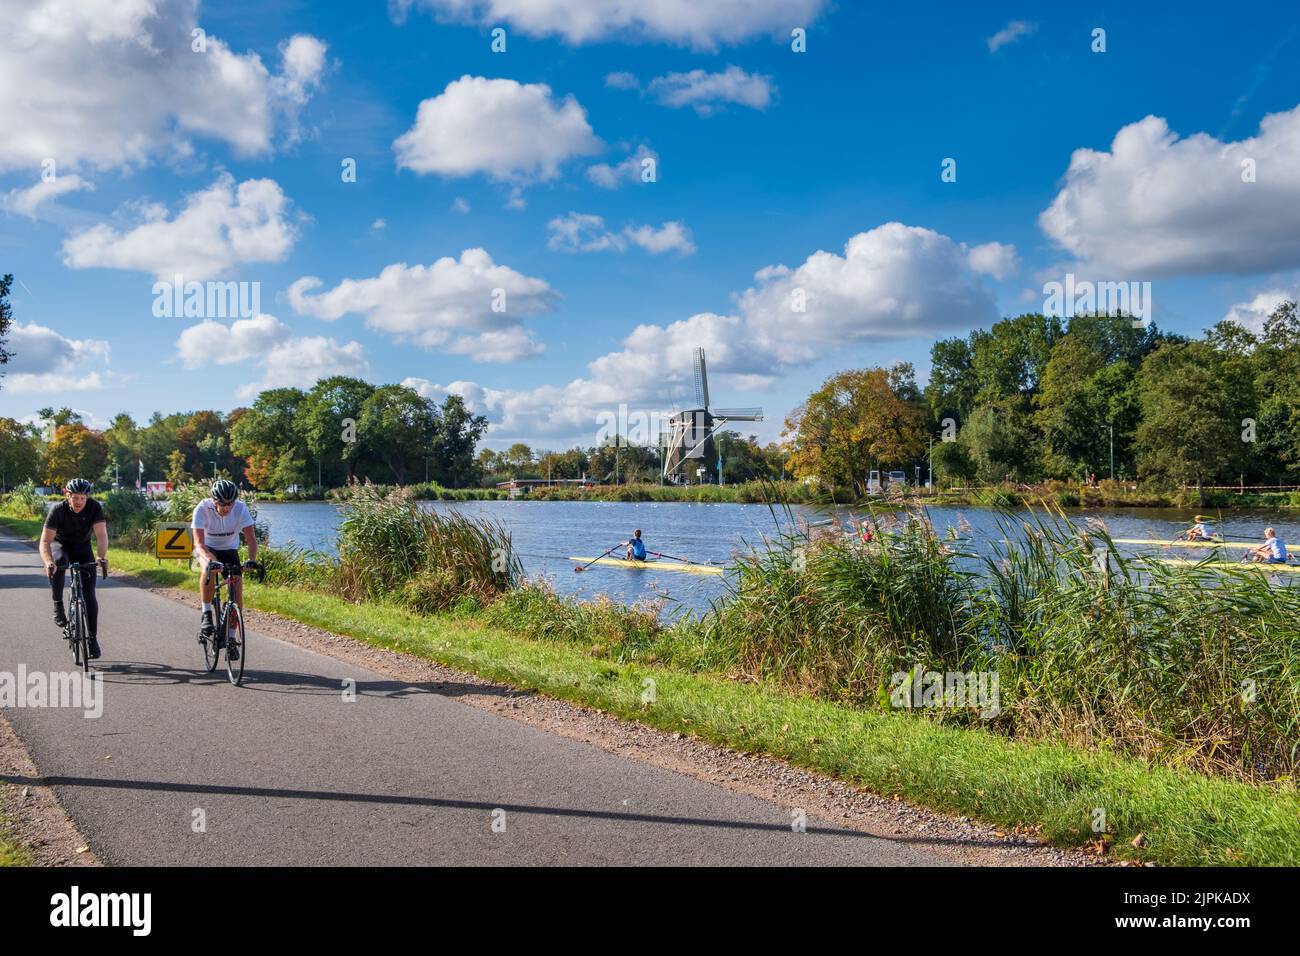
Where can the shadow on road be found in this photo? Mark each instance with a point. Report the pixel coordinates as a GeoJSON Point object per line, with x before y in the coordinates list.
{"type": "Point", "coordinates": [161, 786]}
{"type": "Point", "coordinates": [283, 682]}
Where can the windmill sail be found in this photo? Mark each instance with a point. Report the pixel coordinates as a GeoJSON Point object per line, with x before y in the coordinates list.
{"type": "Point", "coordinates": [701, 380]}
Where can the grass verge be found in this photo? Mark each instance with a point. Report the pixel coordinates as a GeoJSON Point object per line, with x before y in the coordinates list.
{"type": "Point", "coordinates": [1151, 813]}
{"type": "Point", "coordinates": [12, 853]}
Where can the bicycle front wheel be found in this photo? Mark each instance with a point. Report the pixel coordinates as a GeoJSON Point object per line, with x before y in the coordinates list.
{"type": "Point", "coordinates": [233, 627]}
{"type": "Point", "coordinates": [82, 642]}
{"type": "Point", "coordinates": [211, 656]}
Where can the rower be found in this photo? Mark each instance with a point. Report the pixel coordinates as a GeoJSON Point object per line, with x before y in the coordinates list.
{"type": "Point", "coordinates": [1201, 531]}
{"type": "Point", "coordinates": [1272, 551]}
{"type": "Point", "coordinates": [636, 547]}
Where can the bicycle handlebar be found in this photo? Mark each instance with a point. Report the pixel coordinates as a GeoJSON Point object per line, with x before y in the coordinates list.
{"type": "Point", "coordinates": [78, 565]}
{"type": "Point", "coordinates": [232, 566]}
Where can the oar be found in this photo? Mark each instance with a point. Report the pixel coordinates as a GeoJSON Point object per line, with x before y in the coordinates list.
{"type": "Point", "coordinates": [597, 558]}
{"type": "Point", "coordinates": [673, 557]}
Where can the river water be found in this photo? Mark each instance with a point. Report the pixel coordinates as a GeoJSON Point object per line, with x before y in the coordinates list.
{"type": "Point", "coordinates": [547, 533]}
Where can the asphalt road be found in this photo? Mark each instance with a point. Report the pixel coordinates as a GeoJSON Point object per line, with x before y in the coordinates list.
{"type": "Point", "coordinates": [184, 769]}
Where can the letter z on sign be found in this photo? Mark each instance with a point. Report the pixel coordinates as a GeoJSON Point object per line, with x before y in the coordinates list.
{"type": "Point", "coordinates": [173, 541]}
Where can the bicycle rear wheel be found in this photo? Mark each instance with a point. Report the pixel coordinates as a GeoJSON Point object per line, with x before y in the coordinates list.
{"type": "Point", "coordinates": [232, 625]}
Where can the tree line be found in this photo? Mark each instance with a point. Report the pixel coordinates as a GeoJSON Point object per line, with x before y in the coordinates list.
{"type": "Point", "coordinates": [339, 430]}
{"type": "Point", "coordinates": [1036, 397]}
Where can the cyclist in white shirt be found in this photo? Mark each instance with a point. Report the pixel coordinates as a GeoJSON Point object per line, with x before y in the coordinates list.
{"type": "Point", "coordinates": [218, 523]}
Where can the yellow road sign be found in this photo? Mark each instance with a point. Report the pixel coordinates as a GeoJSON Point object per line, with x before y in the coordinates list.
{"type": "Point", "coordinates": [173, 541]}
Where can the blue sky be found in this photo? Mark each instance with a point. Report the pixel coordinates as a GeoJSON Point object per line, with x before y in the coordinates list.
{"type": "Point", "coordinates": [765, 158]}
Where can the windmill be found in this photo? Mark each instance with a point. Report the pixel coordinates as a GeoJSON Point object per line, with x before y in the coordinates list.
{"type": "Point", "coordinates": [689, 450]}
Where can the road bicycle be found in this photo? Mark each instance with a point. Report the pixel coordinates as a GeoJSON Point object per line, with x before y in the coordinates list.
{"type": "Point", "coordinates": [229, 632]}
{"type": "Point", "coordinates": [77, 631]}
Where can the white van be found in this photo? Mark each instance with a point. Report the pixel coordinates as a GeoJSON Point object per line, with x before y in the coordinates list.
{"type": "Point", "coordinates": [897, 480]}
{"type": "Point", "coordinates": [873, 483]}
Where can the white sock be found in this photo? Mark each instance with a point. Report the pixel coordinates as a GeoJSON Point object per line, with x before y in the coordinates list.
{"type": "Point", "coordinates": [207, 607]}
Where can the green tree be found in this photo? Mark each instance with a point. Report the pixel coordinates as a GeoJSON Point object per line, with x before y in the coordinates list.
{"type": "Point", "coordinates": [6, 320]}
{"type": "Point", "coordinates": [1276, 366]}
{"type": "Point", "coordinates": [323, 423]}
{"type": "Point", "coordinates": [157, 440]}
{"type": "Point", "coordinates": [1188, 432]}
{"type": "Point", "coordinates": [998, 442]}
{"type": "Point", "coordinates": [563, 464]}
{"type": "Point", "coordinates": [518, 455]}
{"type": "Point", "coordinates": [75, 451]}
{"type": "Point", "coordinates": [20, 457]}
{"type": "Point", "coordinates": [743, 459]}
{"type": "Point", "coordinates": [267, 438]}
{"type": "Point", "coordinates": [857, 421]}
{"type": "Point", "coordinates": [399, 426]}
{"type": "Point", "coordinates": [456, 435]}
{"type": "Point", "coordinates": [952, 387]}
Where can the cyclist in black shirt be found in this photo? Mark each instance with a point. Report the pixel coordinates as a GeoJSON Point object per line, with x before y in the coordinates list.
{"type": "Point", "coordinates": [70, 525]}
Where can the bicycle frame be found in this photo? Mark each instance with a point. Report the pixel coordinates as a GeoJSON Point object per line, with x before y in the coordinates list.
{"type": "Point", "coordinates": [219, 575]}
{"type": "Point", "coordinates": [76, 632]}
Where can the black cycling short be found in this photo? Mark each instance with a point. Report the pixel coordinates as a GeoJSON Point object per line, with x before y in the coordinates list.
{"type": "Point", "coordinates": [229, 556]}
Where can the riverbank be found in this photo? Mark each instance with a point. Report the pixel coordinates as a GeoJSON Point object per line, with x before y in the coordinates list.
{"type": "Point", "coordinates": [1105, 494]}
{"type": "Point", "coordinates": [602, 656]}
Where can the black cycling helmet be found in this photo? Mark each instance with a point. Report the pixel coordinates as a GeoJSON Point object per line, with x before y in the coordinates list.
{"type": "Point", "coordinates": [224, 490]}
{"type": "Point", "coordinates": [78, 486]}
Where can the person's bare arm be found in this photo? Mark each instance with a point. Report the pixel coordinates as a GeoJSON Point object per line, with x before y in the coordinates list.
{"type": "Point", "coordinates": [250, 539]}
{"type": "Point", "coordinates": [201, 546]}
{"type": "Point", "coordinates": [47, 557]}
{"type": "Point", "coordinates": [101, 541]}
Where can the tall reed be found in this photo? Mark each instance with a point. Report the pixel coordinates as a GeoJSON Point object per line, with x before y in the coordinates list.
{"type": "Point", "coordinates": [391, 549]}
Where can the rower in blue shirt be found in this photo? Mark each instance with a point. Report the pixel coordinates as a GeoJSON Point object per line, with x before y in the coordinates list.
{"type": "Point", "coordinates": [636, 547]}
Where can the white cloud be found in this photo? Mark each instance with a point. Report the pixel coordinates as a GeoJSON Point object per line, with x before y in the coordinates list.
{"type": "Point", "coordinates": [670, 237]}
{"type": "Point", "coordinates": [892, 282]}
{"type": "Point", "coordinates": [622, 80]}
{"type": "Point", "coordinates": [379, 225]}
{"type": "Point", "coordinates": [108, 84]}
{"type": "Point", "coordinates": [1157, 205]}
{"type": "Point", "coordinates": [212, 343]}
{"type": "Point", "coordinates": [582, 232]}
{"type": "Point", "coordinates": [460, 205]}
{"type": "Point", "coordinates": [509, 131]}
{"type": "Point", "coordinates": [700, 25]}
{"type": "Point", "coordinates": [26, 202]}
{"type": "Point", "coordinates": [1012, 32]}
{"type": "Point", "coordinates": [627, 171]}
{"type": "Point", "coordinates": [447, 305]}
{"type": "Point", "coordinates": [46, 361]}
{"type": "Point", "coordinates": [706, 93]}
{"type": "Point", "coordinates": [218, 229]}
{"type": "Point", "coordinates": [301, 362]}
{"type": "Point", "coordinates": [994, 259]}
{"type": "Point", "coordinates": [1254, 313]}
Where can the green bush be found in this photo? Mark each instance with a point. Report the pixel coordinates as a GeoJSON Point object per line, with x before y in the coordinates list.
{"type": "Point", "coordinates": [24, 502]}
